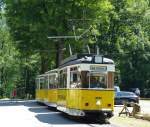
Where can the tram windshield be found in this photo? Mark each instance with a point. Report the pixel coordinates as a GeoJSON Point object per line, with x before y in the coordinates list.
{"type": "Point", "coordinates": [97, 80]}
{"type": "Point", "coordinates": [42, 83]}
{"type": "Point", "coordinates": [93, 79]}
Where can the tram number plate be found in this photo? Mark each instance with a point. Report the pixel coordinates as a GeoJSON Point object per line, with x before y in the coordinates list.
{"type": "Point", "coordinates": [98, 68]}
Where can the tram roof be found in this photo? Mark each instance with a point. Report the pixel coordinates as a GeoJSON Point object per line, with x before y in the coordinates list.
{"type": "Point", "coordinates": [40, 76]}
{"type": "Point", "coordinates": [86, 58]}
{"type": "Point", "coordinates": [52, 71]}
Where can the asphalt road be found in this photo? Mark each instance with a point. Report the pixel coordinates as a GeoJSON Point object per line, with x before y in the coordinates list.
{"type": "Point", "coordinates": [30, 114]}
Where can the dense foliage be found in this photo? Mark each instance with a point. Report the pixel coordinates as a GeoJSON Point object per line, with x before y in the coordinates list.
{"type": "Point", "coordinates": [9, 71]}
{"type": "Point", "coordinates": [120, 28]}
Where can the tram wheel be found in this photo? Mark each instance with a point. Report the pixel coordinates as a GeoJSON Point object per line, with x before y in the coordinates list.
{"type": "Point", "coordinates": [102, 119]}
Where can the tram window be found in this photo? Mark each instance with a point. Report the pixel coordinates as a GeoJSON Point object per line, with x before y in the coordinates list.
{"type": "Point", "coordinates": [85, 79]}
{"type": "Point", "coordinates": [37, 83]}
{"type": "Point", "coordinates": [55, 82]}
{"type": "Point", "coordinates": [45, 85]}
{"type": "Point", "coordinates": [75, 80]}
{"type": "Point", "coordinates": [73, 77]}
{"type": "Point", "coordinates": [46, 82]}
{"type": "Point", "coordinates": [110, 79]}
{"type": "Point", "coordinates": [64, 82]}
{"type": "Point", "coordinates": [60, 81]}
{"type": "Point", "coordinates": [63, 79]}
{"type": "Point", "coordinates": [42, 83]}
{"type": "Point", "coordinates": [97, 80]}
{"type": "Point", "coordinates": [41, 86]}
{"type": "Point", "coordinates": [52, 81]}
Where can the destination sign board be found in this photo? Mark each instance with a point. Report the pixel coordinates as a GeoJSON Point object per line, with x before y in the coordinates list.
{"type": "Point", "coordinates": [98, 68]}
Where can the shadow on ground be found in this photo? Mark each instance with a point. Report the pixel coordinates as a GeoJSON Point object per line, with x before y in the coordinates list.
{"type": "Point", "coordinates": [45, 114]}
{"type": "Point", "coordinates": [55, 118]}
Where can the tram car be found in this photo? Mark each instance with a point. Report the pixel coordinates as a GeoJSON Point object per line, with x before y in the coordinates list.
{"type": "Point", "coordinates": [46, 88]}
{"type": "Point", "coordinates": [82, 86]}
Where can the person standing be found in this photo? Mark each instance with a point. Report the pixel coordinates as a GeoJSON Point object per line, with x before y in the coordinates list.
{"type": "Point", "coordinates": [137, 92]}
{"type": "Point", "coordinates": [14, 93]}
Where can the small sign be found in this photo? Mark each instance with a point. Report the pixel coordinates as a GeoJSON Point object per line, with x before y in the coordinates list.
{"type": "Point", "coordinates": [98, 68]}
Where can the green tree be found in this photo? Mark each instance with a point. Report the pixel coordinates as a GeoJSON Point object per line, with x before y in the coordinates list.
{"type": "Point", "coordinates": [124, 38]}
{"type": "Point", "coordinates": [8, 63]}
{"type": "Point", "coordinates": [31, 22]}
{"type": "Point", "coordinates": [119, 27]}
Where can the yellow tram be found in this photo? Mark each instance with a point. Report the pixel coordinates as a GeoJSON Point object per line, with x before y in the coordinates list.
{"type": "Point", "coordinates": [82, 86]}
{"type": "Point", "coordinates": [46, 88]}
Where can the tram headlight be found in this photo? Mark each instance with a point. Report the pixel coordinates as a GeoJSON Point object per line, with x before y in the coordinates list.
{"type": "Point", "coordinates": [98, 102]}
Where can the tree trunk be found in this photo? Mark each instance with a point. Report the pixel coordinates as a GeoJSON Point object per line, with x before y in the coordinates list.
{"type": "Point", "coordinates": [44, 63]}
{"type": "Point", "coordinates": [59, 52]}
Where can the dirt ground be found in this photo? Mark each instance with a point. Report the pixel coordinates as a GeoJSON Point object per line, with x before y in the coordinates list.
{"type": "Point", "coordinates": [124, 121]}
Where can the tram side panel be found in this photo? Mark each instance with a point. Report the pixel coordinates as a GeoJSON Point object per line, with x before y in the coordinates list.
{"type": "Point", "coordinates": [37, 97]}
{"type": "Point", "coordinates": [52, 82]}
{"type": "Point", "coordinates": [91, 99]}
{"type": "Point", "coordinates": [52, 97]}
{"type": "Point", "coordinates": [62, 91]}
{"type": "Point", "coordinates": [40, 95]}
{"type": "Point", "coordinates": [61, 100]}
{"type": "Point", "coordinates": [45, 95]}
{"type": "Point", "coordinates": [88, 101]}
{"type": "Point", "coordinates": [74, 98]}
{"type": "Point", "coordinates": [41, 89]}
